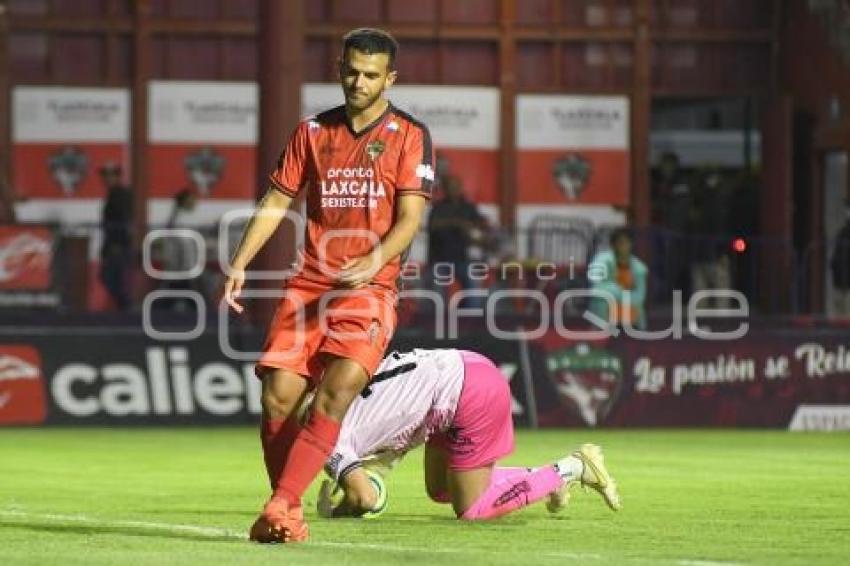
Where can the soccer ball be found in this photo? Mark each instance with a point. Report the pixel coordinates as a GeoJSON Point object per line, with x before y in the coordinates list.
{"type": "Point", "coordinates": [381, 488]}
{"type": "Point", "coordinates": [332, 495]}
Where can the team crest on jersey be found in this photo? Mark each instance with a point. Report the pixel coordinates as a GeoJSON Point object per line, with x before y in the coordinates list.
{"type": "Point", "coordinates": [204, 168]}
{"type": "Point", "coordinates": [374, 149]}
{"type": "Point", "coordinates": [572, 173]}
{"type": "Point", "coordinates": [588, 380]}
{"type": "Point", "coordinates": [68, 167]}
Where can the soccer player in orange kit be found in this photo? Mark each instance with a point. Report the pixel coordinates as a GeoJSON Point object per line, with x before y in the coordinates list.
{"type": "Point", "coordinates": [367, 169]}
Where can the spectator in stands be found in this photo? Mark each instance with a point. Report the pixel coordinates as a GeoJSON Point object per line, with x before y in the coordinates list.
{"type": "Point", "coordinates": [116, 222]}
{"type": "Point", "coordinates": [671, 204]}
{"type": "Point", "coordinates": [179, 253]}
{"type": "Point", "coordinates": [840, 265]}
{"type": "Point", "coordinates": [620, 274]}
{"type": "Point", "coordinates": [453, 227]}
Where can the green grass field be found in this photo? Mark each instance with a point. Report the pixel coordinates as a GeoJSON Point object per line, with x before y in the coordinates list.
{"type": "Point", "coordinates": [168, 496]}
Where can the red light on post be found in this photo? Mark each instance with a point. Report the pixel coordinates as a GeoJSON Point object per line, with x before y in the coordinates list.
{"type": "Point", "coordinates": [739, 245]}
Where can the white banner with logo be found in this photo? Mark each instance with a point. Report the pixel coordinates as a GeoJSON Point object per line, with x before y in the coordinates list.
{"type": "Point", "coordinates": [61, 137]}
{"type": "Point", "coordinates": [203, 138]}
{"type": "Point", "coordinates": [573, 157]}
{"type": "Point", "coordinates": [825, 418]}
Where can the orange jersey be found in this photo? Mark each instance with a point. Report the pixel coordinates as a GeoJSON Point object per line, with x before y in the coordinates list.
{"type": "Point", "coordinates": [353, 181]}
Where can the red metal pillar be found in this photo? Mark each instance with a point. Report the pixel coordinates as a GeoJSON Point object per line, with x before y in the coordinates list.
{"type": "Point", "coordinates": [280, 45]}
{"type": "Point", "coordinates": [508, 186]}
{"type": "Point", "coordinates": [7, 206]}
{"type": "Point", "coordinates": [139, 124]}
{"type": "Point", "coordinates": [641, 110]}
{"type": "Point", "coordinates": [776, 204]}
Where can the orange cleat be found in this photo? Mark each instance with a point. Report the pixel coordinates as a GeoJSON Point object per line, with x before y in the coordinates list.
{"type": "Point", "coordinates": [280, 524]}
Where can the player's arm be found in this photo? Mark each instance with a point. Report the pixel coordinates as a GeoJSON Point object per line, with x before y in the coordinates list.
{"type": "Point", "coordinates": [263, 223]}
{"type": "Point", "coordinates": [358, 272]}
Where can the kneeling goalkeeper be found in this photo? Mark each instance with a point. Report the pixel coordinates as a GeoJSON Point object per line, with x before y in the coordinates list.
{"type": "Point", "coordinates": [459, 405]}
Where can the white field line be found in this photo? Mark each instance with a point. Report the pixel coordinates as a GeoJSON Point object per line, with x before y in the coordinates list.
{"type": "Point", "coordinates": [215, 532]}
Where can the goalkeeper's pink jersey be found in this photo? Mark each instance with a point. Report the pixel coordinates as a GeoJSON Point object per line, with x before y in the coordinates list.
{"type": "Point", "coordinates": [412, 396]}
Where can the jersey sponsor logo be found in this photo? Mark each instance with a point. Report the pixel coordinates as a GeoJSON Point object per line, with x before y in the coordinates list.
{"type": "Point", "coordinates": [351, 187]}
{"type": "Point", "coordinates": [22, 399]}
{"type": "Point", "coordinates": [588, 380]}
{"type": "Point", "coordinates": [166, 385]}
{"type": "Point", "coordinates": [425, 171]}
{"type": "Point", "coordinates": [572, 173]}
{"type": "Point", "coordinates": [68, 167]}
{"type": "Point", "coordinates": [204, 168]}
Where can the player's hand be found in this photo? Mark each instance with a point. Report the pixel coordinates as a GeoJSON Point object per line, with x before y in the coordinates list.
{"type": "Point", "coordinates": [233, 288]}
{"type": "Point", "coordinates": [358, 272]}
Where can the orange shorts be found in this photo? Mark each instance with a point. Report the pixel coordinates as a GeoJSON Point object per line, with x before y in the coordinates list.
{"type": "Point", "coordinates": [313, 319]}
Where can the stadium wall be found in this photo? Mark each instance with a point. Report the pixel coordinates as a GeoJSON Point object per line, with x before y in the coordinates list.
{"type": "Point", "coordinates": [769, 378]}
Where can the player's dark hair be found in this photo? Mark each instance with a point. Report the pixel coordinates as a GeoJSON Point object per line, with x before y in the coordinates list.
{"type": "Point", "coordinates": [371, 41]}
{"type": "Point", "coordinates": [618, 233]}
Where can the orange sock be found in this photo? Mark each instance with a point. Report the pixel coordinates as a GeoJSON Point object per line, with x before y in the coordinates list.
{"type": "Point", "coordinates": [307, 456]}
{"type": "Point", "coordinates": [277, 436]}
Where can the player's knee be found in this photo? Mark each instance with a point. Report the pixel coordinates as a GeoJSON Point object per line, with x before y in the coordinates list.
{"type": "Point", "coordinates": [276, 405]}
{"type": "Point", "coordinates": [438, 494]}
{"type": "Point", "coordinates": [334, 402]}
{"type": "Point", "coordinates": [465, 516]}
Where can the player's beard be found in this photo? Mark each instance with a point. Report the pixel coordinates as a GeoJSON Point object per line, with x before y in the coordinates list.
{"type": "Point", "coordinates": [361, 102]}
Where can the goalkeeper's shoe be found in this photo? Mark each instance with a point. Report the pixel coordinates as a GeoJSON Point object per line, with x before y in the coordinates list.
{"type": "Point", "coordinates": [596, 476]}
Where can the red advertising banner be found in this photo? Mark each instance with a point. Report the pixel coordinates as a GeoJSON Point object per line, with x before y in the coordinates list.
{"type": "Point", "coordinates": [758, 380]}
{"type": "Point", "coordinates": [63, 170]}
{"type": "Point", "coordinates": [22, 395]}
{"type": "Point", "coordinates": [590, 176]}
{"type": "Point", "coordinates": [212, 171]}
{"type": "Point", "coordinates": [776, 378]}
{"type": "Point", "coordinates": [26, 258]}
